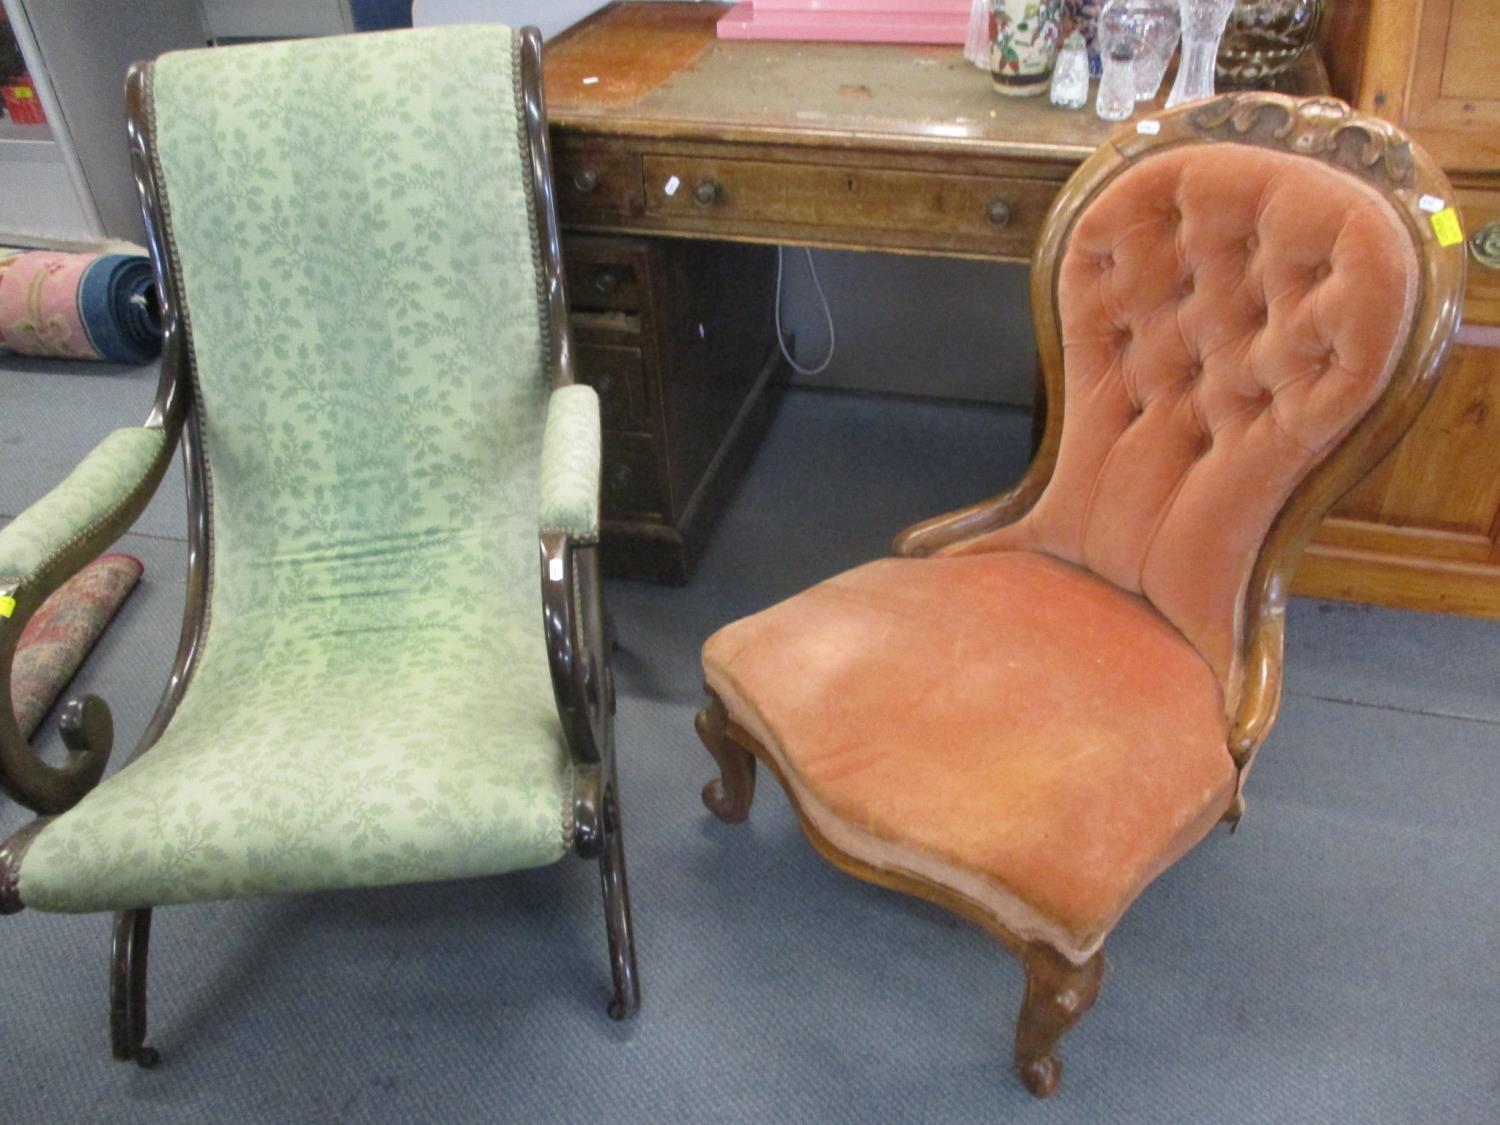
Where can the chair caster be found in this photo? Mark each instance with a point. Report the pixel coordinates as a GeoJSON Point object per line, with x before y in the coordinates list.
{"type": "Point", "coordinates": [616, 1010]}
{"type": "Point", "coordinates": [147, 1058]}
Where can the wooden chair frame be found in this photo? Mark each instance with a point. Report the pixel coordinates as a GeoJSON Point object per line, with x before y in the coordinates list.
{"type": "Point", "coordinates": [574, 619]}
{"type": "Point", "coordinates": [1058, 991]}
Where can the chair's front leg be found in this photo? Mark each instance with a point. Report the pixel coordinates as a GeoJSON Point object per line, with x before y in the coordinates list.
{"type": "Point", "coordinates": [727, 796]}
{"type": "Point", "coordinates": [1058, 992]}
{"type": "Point", "coordinates": [127, 988]}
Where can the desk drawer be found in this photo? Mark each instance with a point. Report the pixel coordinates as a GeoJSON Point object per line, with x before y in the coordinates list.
{"type": "Point", "coordinates": [1481, 214]}
{"type": "Point", "coordinates": [632, 477]}
{"type": "Point", "coordinates": [596, 182]}
{"type": "Point", "coordinates": [987, 214]}
{"type": "Point", "coordinates": [619, 375]}
{"type": "Point", "coordinates": [607, 274]}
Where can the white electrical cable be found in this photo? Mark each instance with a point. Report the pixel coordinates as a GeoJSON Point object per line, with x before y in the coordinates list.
{"type": "Point", "coordinates": [827, 315]}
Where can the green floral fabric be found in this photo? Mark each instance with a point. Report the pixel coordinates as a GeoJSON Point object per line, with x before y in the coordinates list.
{"type": "Point", "coordinates": [104, 481]}
{"type": "Point", "coordinates": [571, 451]}
{"type": "Point", "coordinates": [355, 230]}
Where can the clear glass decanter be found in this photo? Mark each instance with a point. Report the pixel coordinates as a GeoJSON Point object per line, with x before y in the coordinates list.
{"type": "Point", "coordinates": [1163, 29]}
{"type": "Point", "coordinates": [1070, 77]}
{"type": "Point", "coordinates": [1202, 26]}
{"type": "Point", "coordinates": [1122, 36]}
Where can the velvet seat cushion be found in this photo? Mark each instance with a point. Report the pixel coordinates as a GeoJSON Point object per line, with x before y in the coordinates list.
{"type": "Point", "coordinates": [1006, 724]}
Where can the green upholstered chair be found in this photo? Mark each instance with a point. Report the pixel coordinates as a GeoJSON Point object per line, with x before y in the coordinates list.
{"type": "Point", "coordinates": [393, 666]}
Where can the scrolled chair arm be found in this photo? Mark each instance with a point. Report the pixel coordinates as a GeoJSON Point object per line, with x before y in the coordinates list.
{"type": "Point", "coordinates": [934, 535]}
{"type": "Point", "coordinates": [577, 627]}
{"type": "Point", "coordinates": [40, 550]}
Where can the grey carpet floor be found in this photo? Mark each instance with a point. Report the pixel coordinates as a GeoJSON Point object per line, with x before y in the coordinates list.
{"type": "Point", "coordinates": [1336, 960]}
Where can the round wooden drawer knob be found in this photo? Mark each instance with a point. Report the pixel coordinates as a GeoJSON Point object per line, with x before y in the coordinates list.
{"type": "Point", "coordinates": [620, 478]}
{"type": "Point", "coordinates": [606, 281]}
{"type": "Point", "coordinates": [586, 179]}
{"type": "Point", "coordinates": [998, 213]}
{"type": "Point", "coordinates": [707, 193]}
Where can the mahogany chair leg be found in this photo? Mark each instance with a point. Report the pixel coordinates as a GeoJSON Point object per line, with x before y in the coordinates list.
{"type": "Point", "coordinates": [1058, 992]}
{"type": "Point", "coordinates": [127, 989]}
{"type": "Point", "coordinates": [727, 796]}
{"type": "Point", "coordinates": [627, 986]}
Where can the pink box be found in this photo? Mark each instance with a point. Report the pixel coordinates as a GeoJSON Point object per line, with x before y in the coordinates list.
{"type": "Point", "coordinates": [906, 7]}
{"type": "Point", "coordinates": [743, 21]}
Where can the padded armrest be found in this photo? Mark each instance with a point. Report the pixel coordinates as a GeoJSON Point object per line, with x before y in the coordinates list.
{"type": "Point", "coordinates": [571, 457]}
{"type": "Point", "coordinates": [40, 550]}
{"type": "Point", "coordinates": [107, 482]}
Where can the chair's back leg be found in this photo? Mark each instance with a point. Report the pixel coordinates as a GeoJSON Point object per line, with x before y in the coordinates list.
{"type": "Point", "coordinates": [627, 997]}
{"type": "Point", "coordinates": [127, 988]}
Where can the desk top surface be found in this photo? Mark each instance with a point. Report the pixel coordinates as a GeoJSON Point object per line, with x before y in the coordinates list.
{"type": "Point", "coordinates": [658, 69]}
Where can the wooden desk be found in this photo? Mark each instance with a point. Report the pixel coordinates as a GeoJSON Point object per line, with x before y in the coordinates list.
{"type": "Point", "coordinates": [664, 133]}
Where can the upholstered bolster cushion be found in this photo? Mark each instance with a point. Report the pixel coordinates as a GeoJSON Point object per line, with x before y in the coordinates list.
{"type": "Point", "coordinates": [108, 480]}
{"type": "Point", "coordinates": [1228, 314]}
{"type": "Point", "coordinates": [1004, 725]}
{"type": "Point", "coordinates": [571, 463]}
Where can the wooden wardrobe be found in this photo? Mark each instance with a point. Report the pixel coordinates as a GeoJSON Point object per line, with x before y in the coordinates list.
{"type": "Point", "coordinates": [1423, 530]}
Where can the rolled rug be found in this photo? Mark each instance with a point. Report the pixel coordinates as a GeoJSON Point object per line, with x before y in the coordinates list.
{"type": "Point", "coordinates": [78, 306]}
{"type": "Point", "coordinates": [64, 631]}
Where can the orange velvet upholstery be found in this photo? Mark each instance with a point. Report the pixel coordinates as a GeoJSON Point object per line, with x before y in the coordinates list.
{"type": "Point", "coordinates": [1037, 717]}
{"type": "Point", "coordinates": [1004, 724]}
{"type": "Point", "coordinates": [1228, 313]}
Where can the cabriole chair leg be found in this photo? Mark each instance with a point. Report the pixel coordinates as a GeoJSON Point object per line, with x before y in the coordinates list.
{"type": "Point", "coordinates": [127, 988]}
{"type": "Point", "coordinates": [727, 796]}
{"type": "Point", "coordinates": [627, 998]}
{"type": "Point", "coordinates": [1058, 992]}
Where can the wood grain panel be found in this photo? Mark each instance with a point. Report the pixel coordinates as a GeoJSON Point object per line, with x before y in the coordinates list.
{"type": "Point", "coordinates": [1473, 45]}
{"type": "Point", "coordinates": [1423, 530]}
{"type": "Point", "coordinates": [936, 209]}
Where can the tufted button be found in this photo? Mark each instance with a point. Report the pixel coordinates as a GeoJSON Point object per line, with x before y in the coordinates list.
{"type": "Point", "coordinates": [1262, 315]}
{"type": "Point", "coordinates": [1173, 215]}
{"type": "Point", "coordinates": [1195, 371]}
{"type": "Point", "coordinates": [1322, 271]}
{"type": "Point", "coordinates": [1252, 244]}
{"type": "Point", "coordinates": [1189, 285]}
{"type": "Point", "coordinates": [1265, 398]}
{"type": "Point", "coordinates": [1106, 262]}
{"type": "Point", "coordinates": [1330, 360]}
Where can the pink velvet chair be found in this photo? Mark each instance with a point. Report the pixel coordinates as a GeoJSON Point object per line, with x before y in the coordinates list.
{"type": "Point", "coordinates": [1044, 700]}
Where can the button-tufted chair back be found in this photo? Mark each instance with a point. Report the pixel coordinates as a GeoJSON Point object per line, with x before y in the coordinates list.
{"type": "Point", "coordinates": [1228, 313]}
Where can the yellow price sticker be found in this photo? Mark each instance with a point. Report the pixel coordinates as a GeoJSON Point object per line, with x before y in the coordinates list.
{"type": "Point", "coordinates": [1446, 226]}
{"type": "Point", "coordinates": [21, 93]}
{"type": "Point", "coordinates": [7, 606]}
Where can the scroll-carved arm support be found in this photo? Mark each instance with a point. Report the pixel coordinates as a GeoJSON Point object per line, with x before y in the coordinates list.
{"type": "Point", "coordinates": [39, 551]}
{"type": "Point", "coordinates": [577, 628]}
{"type": "Point", "coordinates": [933, 535]}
